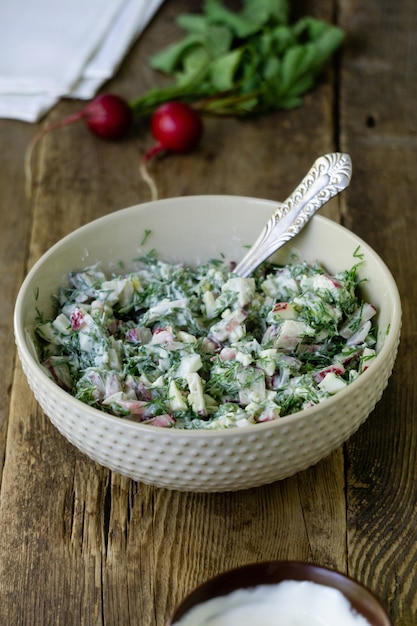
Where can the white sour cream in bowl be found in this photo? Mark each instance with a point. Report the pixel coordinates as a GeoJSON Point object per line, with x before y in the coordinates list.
{"type": "Point", "coordinates": [280, 593]}
{"type": "Point", "coordinates": [290, 603]}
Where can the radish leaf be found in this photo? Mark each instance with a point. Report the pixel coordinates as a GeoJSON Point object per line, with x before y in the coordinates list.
{"type": "Point", "coordinates": [242, 62]}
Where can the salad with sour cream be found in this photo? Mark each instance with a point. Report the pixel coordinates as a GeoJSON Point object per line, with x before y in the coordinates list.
{"type": "Point", "coordinates": [174, 346]}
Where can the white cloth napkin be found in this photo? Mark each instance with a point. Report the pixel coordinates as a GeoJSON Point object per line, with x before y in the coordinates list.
{"type": "Point", "coordinates": [51, 49]}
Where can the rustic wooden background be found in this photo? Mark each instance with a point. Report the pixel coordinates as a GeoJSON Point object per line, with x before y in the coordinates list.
{"type": "Point", "coordinates": [82, 546]}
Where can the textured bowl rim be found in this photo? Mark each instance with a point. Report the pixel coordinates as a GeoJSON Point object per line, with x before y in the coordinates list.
{"type": "Point", "coordinates": [20, 338]}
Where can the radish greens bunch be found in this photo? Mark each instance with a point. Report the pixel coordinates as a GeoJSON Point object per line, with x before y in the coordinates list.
{"type": "Point", "coordinates": [234, 63]}
{"type": "Point", "coordinates": [243, 62]}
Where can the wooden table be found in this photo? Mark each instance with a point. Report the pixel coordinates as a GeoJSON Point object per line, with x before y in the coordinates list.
{"type": "Point", "coordinates": [80, 545]}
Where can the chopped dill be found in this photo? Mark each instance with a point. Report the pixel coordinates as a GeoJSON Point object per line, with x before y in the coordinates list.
{"type": "Point", "coordinates": [146, 235]}
{"type": "Point", "coordinates": [200, 347]}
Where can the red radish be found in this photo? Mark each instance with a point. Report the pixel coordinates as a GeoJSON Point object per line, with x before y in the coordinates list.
{"type": "Point", "coordinates": [178, 128]}
{"type": "Point", "coordinates": [108, 116]}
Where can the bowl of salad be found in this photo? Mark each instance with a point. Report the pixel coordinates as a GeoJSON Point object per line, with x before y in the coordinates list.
{"type": "Point", "coordinates": [153, 358]}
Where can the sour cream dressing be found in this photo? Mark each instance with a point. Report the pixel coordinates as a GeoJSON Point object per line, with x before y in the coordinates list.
{"type": "Point", "coordinates": [175, 346]}
{"type": "Point", "coordinates": [289, 603]}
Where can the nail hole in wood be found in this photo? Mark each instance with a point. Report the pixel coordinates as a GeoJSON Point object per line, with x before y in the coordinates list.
{"type": "Point", "coordinates": [370, 121]}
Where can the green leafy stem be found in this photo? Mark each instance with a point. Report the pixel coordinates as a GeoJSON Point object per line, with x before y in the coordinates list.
{"type": "Point", "coordinates": [243, 62]}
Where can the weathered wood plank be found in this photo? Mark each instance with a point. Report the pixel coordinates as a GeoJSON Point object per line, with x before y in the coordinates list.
{"type": "Point", "coordinates": [15, 220]}
{"type": "Point", "coordinates": [378, 127]}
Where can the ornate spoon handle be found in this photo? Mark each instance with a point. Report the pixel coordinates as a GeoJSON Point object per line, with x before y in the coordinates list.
{"type": "Point", "coordinates": [329, 175]}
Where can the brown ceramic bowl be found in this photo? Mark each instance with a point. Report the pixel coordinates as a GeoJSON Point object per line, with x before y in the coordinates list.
{"type": "Point", "coordinates": [361, 599]}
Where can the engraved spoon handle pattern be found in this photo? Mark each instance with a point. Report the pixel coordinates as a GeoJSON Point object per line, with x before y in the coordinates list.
{"type": "Point", "coordinates": [328, 176]}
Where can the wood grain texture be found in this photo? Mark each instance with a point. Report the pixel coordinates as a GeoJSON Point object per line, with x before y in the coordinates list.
{"type": "Point", "coordinates": [379, 129]}
{"type": "Point", "coordinates": [80, 545]}
{"type": "Point", "coordinates": [15, 219]}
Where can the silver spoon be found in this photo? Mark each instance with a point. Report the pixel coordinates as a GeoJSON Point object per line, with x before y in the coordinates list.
{"type": "Point", "coordinates": [329, 175]}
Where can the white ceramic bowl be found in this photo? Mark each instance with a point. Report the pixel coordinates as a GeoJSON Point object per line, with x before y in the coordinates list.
{"type": "Point", "coordinates": [193, 229]}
